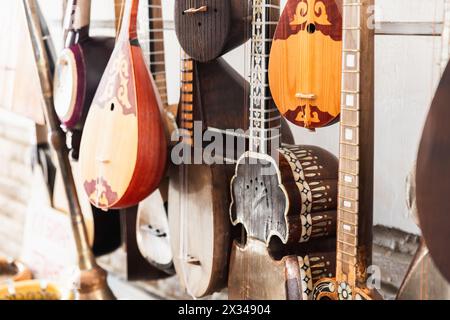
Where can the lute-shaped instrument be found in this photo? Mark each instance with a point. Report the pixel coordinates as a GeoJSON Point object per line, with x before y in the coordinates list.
{"type": "Point", "coordinates": [282, 197]}
{"type": "Point", "coordinates": [355, 199]}
{"type": "Point", "coordinates": [305, 62]}
{"type": "Point", "coordinates": [124, 148]}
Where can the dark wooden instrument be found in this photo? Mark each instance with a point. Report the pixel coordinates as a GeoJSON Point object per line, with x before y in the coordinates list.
{"type": "Point", "coordinates": [433, 177]}
{"type": "Point", "coordinates": [282, 196]}
{"type": "Point", "coordinates": [124, 147]}
{"type": "Point", "coordinates": [355, 200]}
{"type": "Point", "coordinates": [207, 29]}
{"type": "Point", "coordinates": [79, 69]}
{"type": "Point", "coordinates": [152, 224]}
{"type": "Point", "coordinates": [305, 62]}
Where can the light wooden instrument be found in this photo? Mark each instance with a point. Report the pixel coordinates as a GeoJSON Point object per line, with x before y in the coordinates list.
{"type": "Point", "coordinates": [123, 149]}
{"type": "Point", "coordinates": [13, 270]}
{"type": "Point", "coordinates": [79, 68]}
{"type": "Point", "coordinates": [305, 62]}
{"type": "Point", "coordinates": [283, 197]}
{"type": "Point", "coordinates": [355, 199]}
{"type": "Point", "coordinates": [34, 290]}
{"type": "Point", "coordinates": [207, 29]}
{"type": "Point", "coordinates": [152, 228]}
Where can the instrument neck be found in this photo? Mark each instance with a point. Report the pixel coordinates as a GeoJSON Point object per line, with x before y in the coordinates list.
{"type": "Point", "coordinates": [76, 21]}
{"type": "Point", "coordinates": [264, 117]}
{"type": "Point", "coordinates": [152, 43]}
{"type": "Point", "coordinates": [355, 199]}
{"type": "Point", "coordinates": [128, 26]}
{"type": "Point", "coordinates": [187, 99]}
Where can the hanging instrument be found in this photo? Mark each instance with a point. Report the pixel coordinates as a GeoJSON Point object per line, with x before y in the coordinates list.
{"type": "Point", "coordinates": [433, 177]}
{"type": "Point", "coordinates": [124, 146]}
{"type": "Point", "coordinates": [283, 197]}
{"type": "Point", "coordinates": [305, 62]}
{"type": "Point", "coordinates": [355, 199]}
{"type": "Point", "coordinates": [79, 69]}
{"type": "Point", "coordinates": [206, 29]}
{"type": "Point", "coordinates": [152, 230]}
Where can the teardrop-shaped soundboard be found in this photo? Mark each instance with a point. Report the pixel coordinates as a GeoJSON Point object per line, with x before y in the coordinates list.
{"type": "Point", "coordinates": [305, 62]}
{"type": "Point", "coordinates": [124, 148]}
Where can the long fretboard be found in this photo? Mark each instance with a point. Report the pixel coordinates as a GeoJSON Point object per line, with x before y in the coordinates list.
{"type": "Point", "coordinates": [354, 234]}
{"type": "Point", "coordinates": [264, 117]}
{"type": "Point", "coordinates": [77, 17]}
{"type": "Point", "coordinates": [151, 39]}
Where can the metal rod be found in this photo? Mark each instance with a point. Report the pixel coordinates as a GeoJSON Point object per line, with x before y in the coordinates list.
{"type": "Point", "coordinates": [93, 283]}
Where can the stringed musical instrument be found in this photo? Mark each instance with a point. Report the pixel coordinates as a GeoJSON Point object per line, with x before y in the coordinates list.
{"type": "Point", "coordinates": [79, 68]}
{"type": "Point", "coordinates": [207, 29]}
{"type": "Point", "coordinates": [124, 147]}
{"type": "Point", "coordinates": [305, 62]}
{"type": "Point", "coordinates": [283, 197]}
{"type": "Point", "coordinates": [423, 280]}
{"type": "Point", "coordinates": [152, 230]}
{"type": "Point", "coordinates": [355, 199]}
{"type": "Point", "coordinates": [433, 177]}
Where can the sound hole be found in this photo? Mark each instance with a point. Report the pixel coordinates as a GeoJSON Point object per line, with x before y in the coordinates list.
{"type": "Point", "coordinates": [311, 28]}
{"type": "Point", "coordinates": [112, 106]}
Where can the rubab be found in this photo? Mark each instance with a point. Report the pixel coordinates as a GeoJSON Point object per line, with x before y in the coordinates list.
{"type": "Point", "coordinates": [152, 228]}
{"type": "Point", "coordinates": [124, 145]}
{"type": "Point", "coordinates": [304, 66]}
{"type": "Point", "coordinates": [355, 199]}
{"type": "Point", "coordinates": [93, 284]}
{"type": "Point", "coordinates": [283, 197]}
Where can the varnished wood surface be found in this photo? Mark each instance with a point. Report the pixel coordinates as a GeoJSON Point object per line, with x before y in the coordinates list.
{"type": "Point", "coordinates": [306, 59]}
{"type": "Point", "coordinates": [257, 276]}
{"type": "Point", "coordinates": [124, 161]}
{"type": "Point", "coordinates": [206, 35]}
{"type": "Point", "coordinates": [424, 281]}
{"type": "Point", "coordinates": [433, 177]}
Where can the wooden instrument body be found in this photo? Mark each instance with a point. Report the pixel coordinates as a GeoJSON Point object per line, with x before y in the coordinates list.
{"type": "Point", "coordinates": [124, 148]}
{"type": "Point", "coordinates": [265, 278]}
{"type": "Point", "coordinates": [287, 199]}
{"type": "Point", "coordinates": [281, 206]}
{"type": "Point", "coordinates": [305, 62]}
{"type": "Point", "coordinates": [206, 35]}
{"type": "Point", "coordinates": [199, 191]}
{"type": "Point", "coordinates": [423, 280]}
{"type": "Point", "coordinates": [433, 178]}
{"type": "Point", "coordinates": [152, 227]}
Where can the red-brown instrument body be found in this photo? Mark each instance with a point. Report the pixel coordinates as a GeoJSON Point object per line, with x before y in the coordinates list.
{"type": "Point", "coordinates": [124, 147]}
